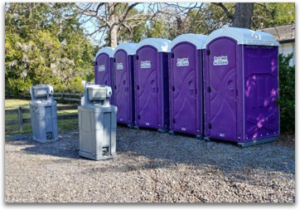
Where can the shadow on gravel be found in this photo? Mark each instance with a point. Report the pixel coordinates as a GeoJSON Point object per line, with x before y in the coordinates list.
{"type": "Point", "coordinates": [165, 151]}
{"type": "Point", "coordinates": [189, 150]}
{"type": "Point", "coordinates": [66, 146]}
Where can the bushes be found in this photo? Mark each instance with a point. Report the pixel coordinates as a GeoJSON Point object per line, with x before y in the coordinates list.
{"type": "Point", "coordinates": [286, 94]}
{"type": "Point", "coordinates": [75, 85]}
{"type": "Point", "coordinates": [43, 47]}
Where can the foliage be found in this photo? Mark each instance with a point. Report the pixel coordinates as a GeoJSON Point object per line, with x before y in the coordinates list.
{"type": "Point", "coordinates": [287, 94]}
{"type": "Point", "coordinates": [273, 14]}
{"type": "Point", "coordinates": [210, 18]}
{"type": "Point", "coordinates": [158, 29]}
{"type": "Point", "coordinates": [265, 15]}
{"type": "Point", "coordinates": [135, 35]}
{"type": "Point", "coordinates": [45, 44]}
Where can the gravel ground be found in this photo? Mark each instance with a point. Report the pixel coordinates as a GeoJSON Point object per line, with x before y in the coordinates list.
{"type": "Point", "coordinates": [150, 167]}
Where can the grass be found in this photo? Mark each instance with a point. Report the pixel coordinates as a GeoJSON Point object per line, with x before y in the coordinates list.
{"type": "Point", "coordinates": [63, 125]}
{"type": "Point", "coordinates": [7, 139]}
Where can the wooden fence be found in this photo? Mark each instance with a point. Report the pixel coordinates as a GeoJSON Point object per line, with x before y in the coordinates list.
{"type": "Point", "coordinates": [22, 120]}
{"type": "Point", "coordinates": [63, 97]}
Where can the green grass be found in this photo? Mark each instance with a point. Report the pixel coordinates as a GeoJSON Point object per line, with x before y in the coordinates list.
{"type": "Point", "coordinates": [7, 139]}
{"type": "Point", "coordinates": [15, 103]}
{"type": "Point", "coordinates": [63, 125]}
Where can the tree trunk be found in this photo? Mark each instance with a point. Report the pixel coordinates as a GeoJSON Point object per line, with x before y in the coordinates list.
{"type": "Point", "coordinates": [113, 30]}
{"type": "Point", "coordinates": [113, 37]}
{"type": "Point", "coordinates": [243, 14]}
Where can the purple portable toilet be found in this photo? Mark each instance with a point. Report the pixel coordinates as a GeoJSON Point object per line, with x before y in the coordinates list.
{"type": "Point", "coordinates": [186, 68]}
{"type": "Point", "coordinates": [123, 71]}
{"type": "Point", "coordinates": [241, 86]}
{"type": "Point", "coordinates": [103, 64]}
{"type": "Point", "coordinates": [152, 84]}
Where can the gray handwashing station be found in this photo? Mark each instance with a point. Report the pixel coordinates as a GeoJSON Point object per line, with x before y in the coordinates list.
{"type": "Point", "coordinates": [43, 113]}
{"type": "Point", "coordinates": [97, 123]}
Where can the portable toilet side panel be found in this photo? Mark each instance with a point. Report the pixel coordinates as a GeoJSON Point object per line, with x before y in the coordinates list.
{"type": "Point", "coordinates": [261, 91]}
{"type": "Point", "coordinates": [103, 64]}
{"type": "Point", "coordinates": [241, 86]}
{"type": "Point", "coordinates": [123, 70]}
{"type": "Point", "coordinates": [151, 84]}
{"type": "Point", "coordinates": [186, 114]}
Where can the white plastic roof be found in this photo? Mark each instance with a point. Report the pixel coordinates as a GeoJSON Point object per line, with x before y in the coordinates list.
{"type": "Point", "coordinates": [244, 36]}
{"type": "Point", "coordinates": [197, 39]}
{"type": "Point", "coordinates": [162, 45]}
{"type": "Point", "coordinates": [108, 50]}
{"type": "Point", "coordinates": [129, 48]}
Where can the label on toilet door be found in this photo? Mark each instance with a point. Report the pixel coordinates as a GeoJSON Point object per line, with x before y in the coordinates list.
{"type": "Point", "coordinates": [119, 66]}
{"type": "Point", "coordinates": [101, 68]}
{"type": "Point", "coordinates": [220, 60]}
{"type": "Point", "coordinates": [145, 64]}
{"type": "Point", "coordinates": [182, 62]}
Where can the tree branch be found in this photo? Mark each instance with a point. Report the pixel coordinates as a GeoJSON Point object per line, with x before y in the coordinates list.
{"type": "Point", "coordinates": [89, 12]}
{"type": "Point", "coordinates": [126, 10]}
{"type": "Point", "coordinates": [229, 15]}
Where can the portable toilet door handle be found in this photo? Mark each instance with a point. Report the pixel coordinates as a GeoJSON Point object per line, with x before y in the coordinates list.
{"type": "Point", "coordinates": [192, 88]}
{"type": "Point", "coordinates": [155, 90]}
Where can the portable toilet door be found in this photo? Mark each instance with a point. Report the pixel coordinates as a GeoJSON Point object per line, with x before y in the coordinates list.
{"type": "Point", "coordinates": [186, 109]}
{"type": "Point", "coordinates": [241, 86]}
{"type": "Point", "coordinates": [103, 64]}
{"type": "Point", "coordinates": [123, 71]}
{"type": "Point", "coordinates": [152, 84]}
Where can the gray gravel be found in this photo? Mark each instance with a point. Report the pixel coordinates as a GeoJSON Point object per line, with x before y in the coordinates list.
{"type": "Point", "coordinates": [150, 167]}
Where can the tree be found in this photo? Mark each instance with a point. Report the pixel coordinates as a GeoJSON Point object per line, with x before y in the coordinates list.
{"type": "Point", "coordinates": [109, 16]}
{"type": "Point", "coordinates": [208, 18]}
{"type": "Point", "coordinates": [158, 29]}
{"type": "Point", "coordinates": [273, 14]}
{"type": "Point", "coordinates": [242, 15]}
{"type": "Point", "coordinates": [112, 18]}
{"type": "Point", "coordinates": [44, 44]}
{"type": "Point", "coordinates": [135, 29]}
{"type": "Point", "coordinates": [258, 15]}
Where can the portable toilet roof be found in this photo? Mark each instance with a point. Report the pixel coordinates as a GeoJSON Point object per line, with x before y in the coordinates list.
{"type": "Point", "coordinates": [244, 36]}
{"type": "Point", "coordinates": [197, 39]}
{"type": "Point", "coordinates": [107, 50]}
{"type": "Point", "coordinates": [129, 48]}
{"type": "Point", "coordinates": [162, 45]}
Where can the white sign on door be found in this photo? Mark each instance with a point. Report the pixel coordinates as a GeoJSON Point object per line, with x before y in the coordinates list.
{"type": "Point", "coordinates": [119, 66]}
{"type": "Point", "coordinates": [145, 64]}
{"type": "Point", "coordinates": [220, 60]}
{"type": "Point", "coordinates": [182, 62]}
{"type": "Point", "coordinates": [101, 68]}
